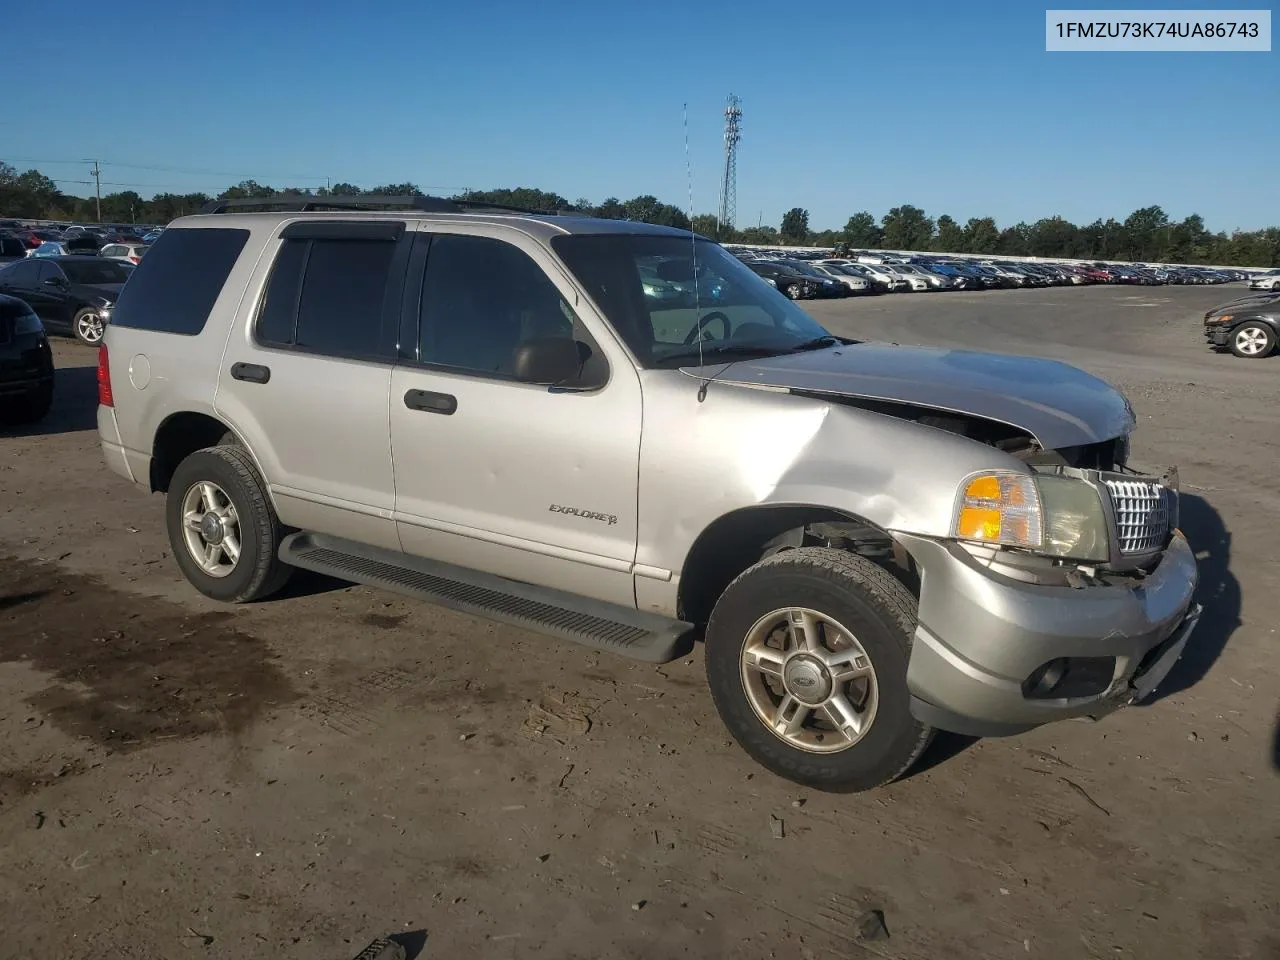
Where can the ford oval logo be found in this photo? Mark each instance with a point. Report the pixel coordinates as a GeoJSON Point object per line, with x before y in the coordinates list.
{"type": "Point", "coordinates": [804, 681]}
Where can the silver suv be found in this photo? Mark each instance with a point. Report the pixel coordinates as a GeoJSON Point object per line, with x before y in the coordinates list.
{"type": "Point", "coordinates": [501, 412]}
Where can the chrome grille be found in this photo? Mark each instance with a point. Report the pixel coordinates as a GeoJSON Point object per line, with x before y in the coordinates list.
{"type": "Point", "coordinates": [1142, 509]}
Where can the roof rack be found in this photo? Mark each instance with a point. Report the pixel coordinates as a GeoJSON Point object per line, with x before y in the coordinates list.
{"type": "Point", "coordinates": [283, 204]}
{"type": "Point", "coordinates": [303, 204]}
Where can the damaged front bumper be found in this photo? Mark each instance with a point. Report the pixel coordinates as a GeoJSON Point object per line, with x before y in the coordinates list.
{"type": "Point", "coordinates": [994, 655]}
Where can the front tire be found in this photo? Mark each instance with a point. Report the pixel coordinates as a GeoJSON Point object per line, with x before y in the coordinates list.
{"type": "Point", "coordinates": [223, 530]}
{"type": "Point", "coordinates": [1252, 340]}
{"type": "Point", "coordinates": [806, 657]}
{"type": "Point", "coordinates": [89, 327]}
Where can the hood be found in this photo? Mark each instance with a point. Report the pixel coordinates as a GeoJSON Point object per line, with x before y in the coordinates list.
{"type": "Point", "coordinates": [1059, 405]}
{"type": "Point", "coordinates": [1265, 302]}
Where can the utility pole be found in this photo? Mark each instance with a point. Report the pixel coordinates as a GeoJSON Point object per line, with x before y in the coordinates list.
{"type": "Point", "coordinates": [97, 183]}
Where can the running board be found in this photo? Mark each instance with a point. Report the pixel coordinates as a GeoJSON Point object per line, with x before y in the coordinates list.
{"type": "Point", "coordinates": [593, 623]}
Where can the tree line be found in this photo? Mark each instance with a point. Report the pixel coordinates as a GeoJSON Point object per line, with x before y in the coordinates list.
{"type": "Point", "coordinates": [1146, 234]}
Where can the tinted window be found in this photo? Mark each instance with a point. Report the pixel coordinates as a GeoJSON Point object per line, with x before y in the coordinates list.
{"type": "Point", "coordinates": [328, 296]}
{"type": "Point", "coordinates": [94, 271]}
{"type": "Point", "coordinates": [19, 274]}
{"type": "Point", "coordinates": [480, 298]}
{"type": "Point", "coordinates": [279, 307]}
{"type": "Point", "coordinates": [12, 247]}
{"type": "Point", "coordinates": [175, 287]}
{"type": "Point", "coordinates": [113, 250]}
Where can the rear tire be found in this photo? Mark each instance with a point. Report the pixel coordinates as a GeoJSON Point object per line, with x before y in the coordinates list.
{"type": "Point", "coordinates": [236, 495]}
{"type": "Point", "coordinates": [1252, 340]}
{"type": "Point", "coordinates": [864, 617]}
{"type": "Point", "coordinates": [794, 291]}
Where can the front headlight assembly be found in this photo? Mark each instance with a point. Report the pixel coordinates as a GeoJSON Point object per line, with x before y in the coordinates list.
{"type": "Point", "coordinates": [1055, 516]}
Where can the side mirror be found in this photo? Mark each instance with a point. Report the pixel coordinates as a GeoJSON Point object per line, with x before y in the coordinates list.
{"type": "Point", "coordinates": [549, 360]}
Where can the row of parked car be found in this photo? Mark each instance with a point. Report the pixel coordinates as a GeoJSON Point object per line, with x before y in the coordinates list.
{"type": "Point", "coordinates": [115, 241]}
{"type": "Point", "coordinates": [804, 276]}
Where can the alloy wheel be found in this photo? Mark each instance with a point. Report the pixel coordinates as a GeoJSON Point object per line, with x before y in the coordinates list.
{"type": "Point", "coordinates": [809, 680]}
{"type": "Point", "coordinates": [211, 528]}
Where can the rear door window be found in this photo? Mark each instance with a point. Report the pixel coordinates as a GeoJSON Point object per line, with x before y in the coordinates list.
{"type": "Point", "coordinates": [330, 297]}
{"type": "Point", "coordinates": [19, 274]}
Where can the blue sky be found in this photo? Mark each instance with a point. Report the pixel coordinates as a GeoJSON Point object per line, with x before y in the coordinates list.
{"type": "Point", "coordinates": [954, 107]}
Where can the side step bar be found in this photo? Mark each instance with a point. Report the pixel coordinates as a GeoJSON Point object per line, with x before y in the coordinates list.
{"type": "Point", "coordinates": [604, 626]}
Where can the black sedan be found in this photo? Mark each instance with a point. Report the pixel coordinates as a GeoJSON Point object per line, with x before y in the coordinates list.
{"type": "Point", "coordinates": [70, 294]}
{"type": "Point", "coordinates": [26, 364]}
{"type": "Point", "coordinates": [795, 285]}
{"type": "Point", "coordinates": [824, 285]}
{"type": "Point", "coordinates": [1249, 329]}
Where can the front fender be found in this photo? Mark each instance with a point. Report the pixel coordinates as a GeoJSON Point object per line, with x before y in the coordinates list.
{"type": "Point", "coordinates": [900, 475]}
{"type": "Point", "coordinates": [747, 447]}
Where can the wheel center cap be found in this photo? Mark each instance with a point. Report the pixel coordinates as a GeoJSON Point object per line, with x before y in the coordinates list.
{"type": "Point", "coordinates": [807, 679]}
{"type": "Point", "coordinates": [211, 529]}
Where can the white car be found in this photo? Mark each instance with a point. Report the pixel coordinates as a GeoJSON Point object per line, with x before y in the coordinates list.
{"type": "Point", "coordinates": [1265, 281]}
{"type": "Point", "coordinates": [131, 252]}
{"type": "Point", "coordinates": [918, 279]}
{"type": "Point", "coordinates": [901, 281]}
{"type": "Point", "coordinates": [891, 281]}
{"type": "Point", "coordinates": [855, 282]}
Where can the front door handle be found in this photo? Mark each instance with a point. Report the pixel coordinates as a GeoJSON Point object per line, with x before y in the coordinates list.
{"type": "Point", "coordinates": [430, 402]}
{"type": "Point", "coordinates": [250, 372]}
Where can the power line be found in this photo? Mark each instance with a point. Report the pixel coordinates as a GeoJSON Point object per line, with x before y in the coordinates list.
{"type": "Point", "coordinates": [329, 180]}
{"type": "Point", "coordinates": [120, 183]}
{"type": "Point", "coordinates": [161, 169]}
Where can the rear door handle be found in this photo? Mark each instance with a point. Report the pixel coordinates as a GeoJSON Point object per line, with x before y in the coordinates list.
{"type": "Point", "coordinates": [250, 372]}
{"type": "Point", "coordinates": [430, 402]}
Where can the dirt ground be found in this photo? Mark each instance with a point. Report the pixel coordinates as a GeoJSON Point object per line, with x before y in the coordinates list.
{"type": "Point", "coordinates": [295, 778]}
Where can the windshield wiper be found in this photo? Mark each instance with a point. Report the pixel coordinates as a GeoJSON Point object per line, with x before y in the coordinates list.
{"type": "Point", "coordinates": [817, 343]}
{"type": "Point", "coordinates": [740, 351]}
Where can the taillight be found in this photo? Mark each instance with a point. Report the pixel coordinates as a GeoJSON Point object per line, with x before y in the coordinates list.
{"type": "Point", "coordinates": [135, 260]}
{"type": "Point", "coordinates": [105, 398]}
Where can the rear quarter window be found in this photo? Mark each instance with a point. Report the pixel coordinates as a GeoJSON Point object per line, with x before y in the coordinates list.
{"type": "Point", "coordinates": [177, 283]}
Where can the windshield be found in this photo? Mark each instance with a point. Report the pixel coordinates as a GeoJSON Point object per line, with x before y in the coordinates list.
{"type": "Point", "coordinates": [735, 313]}
{"type": "Point", "coordinates": [94, 271]}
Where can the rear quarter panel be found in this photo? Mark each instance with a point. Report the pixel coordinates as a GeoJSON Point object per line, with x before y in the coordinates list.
{"type": "Point", "coordinates": [155, 375]}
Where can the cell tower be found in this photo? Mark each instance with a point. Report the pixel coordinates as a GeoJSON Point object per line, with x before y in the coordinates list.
{"type": "Point", "coordinates": [729, 185]}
